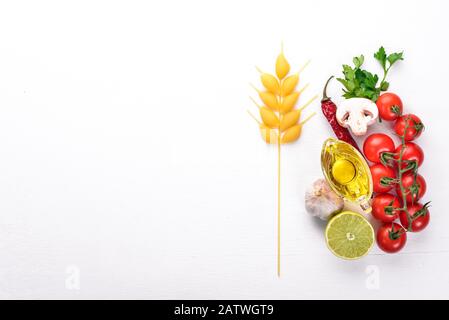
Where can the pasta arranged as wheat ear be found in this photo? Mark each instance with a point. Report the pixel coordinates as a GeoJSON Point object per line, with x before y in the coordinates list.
{"type": "Point", "coordinates": [279, 119]}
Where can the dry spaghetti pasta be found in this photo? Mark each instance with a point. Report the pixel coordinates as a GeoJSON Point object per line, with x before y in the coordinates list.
{"type": "Point", "coordinates": [280, 121]}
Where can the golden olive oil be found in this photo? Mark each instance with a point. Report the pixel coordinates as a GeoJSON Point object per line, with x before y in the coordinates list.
{"type": "Point", "coordinates": [347, 172]}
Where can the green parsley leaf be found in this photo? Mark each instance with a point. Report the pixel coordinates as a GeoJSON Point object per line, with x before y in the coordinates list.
{"type": "Point", "coordinates": [358, 61]}
{"type": "Point", "coordinates": [361, 83]}
{"type": "Point", "coordinates": [381, 56]}
{"type": "Point", "coordinates": [392, 58]}
{"type": "Point", "coordinates": [384, 86]}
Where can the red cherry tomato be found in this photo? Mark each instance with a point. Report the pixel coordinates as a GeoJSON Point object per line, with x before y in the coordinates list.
{"type": "Point", "coordinates": [375, 144]}
{"type": "Point", "coordinates": [391, 237]}
{"type": "Point", "coordinates": [413, 190]}
{"type": "Point", "coordinates": [413, 124]}
{"type": "Point", "coordinates": [420, 217]}
{"type": "Point", "coordinates": [412, 152]}
{"type": "Point", "coordinates": [390, 106]}
{"type": "Point", "coordinates": [382, 178]}
{"type": "Point", "coordinates": [384, 205]}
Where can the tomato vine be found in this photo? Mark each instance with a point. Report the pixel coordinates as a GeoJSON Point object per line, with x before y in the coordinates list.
{"type": "Point", "coordinates": [395, 160]}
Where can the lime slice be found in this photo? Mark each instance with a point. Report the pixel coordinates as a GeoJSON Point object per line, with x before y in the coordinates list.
{"type": "Point", "coordinates": [349, 235]}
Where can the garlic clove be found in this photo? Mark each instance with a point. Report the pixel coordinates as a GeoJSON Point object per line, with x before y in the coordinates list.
{"type": "Point", "coordinates": [321, 201]}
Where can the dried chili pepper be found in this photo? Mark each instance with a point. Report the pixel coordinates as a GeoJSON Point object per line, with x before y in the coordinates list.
{"type": "Point", "coordinates": [329, 110]}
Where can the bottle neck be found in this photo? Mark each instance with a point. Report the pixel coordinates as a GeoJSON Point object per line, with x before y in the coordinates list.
{"type": "Point", "coordinates": [365, 204]}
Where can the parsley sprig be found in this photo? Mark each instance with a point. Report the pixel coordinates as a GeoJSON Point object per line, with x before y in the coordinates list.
{"type": "Point", "coordinates": [364, 84]}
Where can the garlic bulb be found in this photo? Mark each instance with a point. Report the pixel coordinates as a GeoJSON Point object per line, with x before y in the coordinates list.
{"type": "Point", "coordinates": [321, 201]}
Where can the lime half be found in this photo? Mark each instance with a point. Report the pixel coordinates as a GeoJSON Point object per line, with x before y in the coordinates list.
{"type": "Point", "coordinates": [349, 235]}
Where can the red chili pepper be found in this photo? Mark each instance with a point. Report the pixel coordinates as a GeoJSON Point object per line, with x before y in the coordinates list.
{"type": "Point", "coordinates": [329, 110]}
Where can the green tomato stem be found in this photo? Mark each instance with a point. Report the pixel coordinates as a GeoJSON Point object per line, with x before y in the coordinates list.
{"type": "Point", "coordinates": [401, 185]}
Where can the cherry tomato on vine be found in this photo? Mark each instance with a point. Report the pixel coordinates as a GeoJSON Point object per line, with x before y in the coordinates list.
{"type": "Point", "coordinates": [383, 177]}
{"type": "Point", "coordinates": [384, 205]}
{"type": "Point", "coordinates": [412, 152]}
{"type": "Point", "coordinates": [390, 106]}
{"type": "Point", "coordinates": [420, 217]}
{"type": "Point", "coordinates": [391, 237]}
{"type": "Point", "coordinates": [376, 144]}
{"type": "Point", "coordinates": [409, 126]}
{"type": "Point", "coordinates": [414, 190]}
